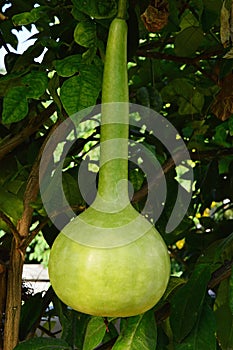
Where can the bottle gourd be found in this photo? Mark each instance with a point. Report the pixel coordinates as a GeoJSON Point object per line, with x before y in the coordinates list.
{"type": "Point", "coordinates": [110, 261]}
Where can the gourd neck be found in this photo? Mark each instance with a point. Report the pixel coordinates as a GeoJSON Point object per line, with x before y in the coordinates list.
{"type": "Point", "coordinates": [113, 174]}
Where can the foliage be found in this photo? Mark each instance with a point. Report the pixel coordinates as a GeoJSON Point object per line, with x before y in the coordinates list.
{"type": "Point", "coordinates": [183, 70]}
{"type": "Point", "coordinates": [38, 250]}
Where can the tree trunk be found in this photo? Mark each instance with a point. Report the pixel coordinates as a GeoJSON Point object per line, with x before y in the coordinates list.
{"type": "Point", "coordinates": [13, 301]}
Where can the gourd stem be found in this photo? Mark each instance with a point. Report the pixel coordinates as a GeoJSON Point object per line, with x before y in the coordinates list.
{"type": "Point", "coordinates": [115, 117]}
{"type": "Point", "coordinates": [121, 13]}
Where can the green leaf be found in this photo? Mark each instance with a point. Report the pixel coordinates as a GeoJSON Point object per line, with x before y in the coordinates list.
{"type": "Point", "coordinates": [71, 189]}
{"type": "Point", "coordinates": [188, 41]}
{"type": "Point", "coordinates": [43, 344]}
{"type": "Point", "coordinates": [224, 320]}
{"type": "Point", "coordinates": [85, 34]}
{"type": "Point", "coordinates": [25, 18]}
{"type": "Point", "coordinates": [211, 14]}
{"type": "Point", "coordinates": [202, 337]}
{"type": "Point", "coordinates": [97, 8]}
{"type": "Point", "coordinates": [188, 19]}
{"type": "Point", "coordinates": [173, 284]}
{"type": "Point", "coordinates": [89, 55]}
{"type": "Point", "coordinates": [95, 332]}
{"type": "Point", "coordinates": [174, 17]}
{"type": "Point", "coordinates": [194, 105]}
{"type": "Point", "coordinates": [36, 83]}
{"type": "Point", "coordinates": [199, 7]}
{"type": "Point", "coordinates": [15, 106]}
{"type": "Point", "coordinates": [224, 316]}
{"type": "Point", "coordinates": [185, 95]}
{"type": "Point", "coordinates": [222, 248]}
{"type": "Point", "coordinates": [9, 81]}
{"type": "Point", "coordinates": [138, 332]}
{"type": "Point", "coordinates": [187, 305]}
{"type": "Point", "coordinates": [221, 134]}
{"type": "Point", "coordinates": [9, 37]}
{"type": "Point", "coordinates": [68, 66]}
{"type": "Point", "coordinates": [81, 91]}
{"type": "Point", "coordinates": [10, 205]}
{"type": "Point", "coordinates": [136, 177]}
{"type": "Point", "coordinates": [30, 314]}
{"type": "Point", "coordinates": [78, 15]}
{"type": "Point", "coordinates": [73, 324]}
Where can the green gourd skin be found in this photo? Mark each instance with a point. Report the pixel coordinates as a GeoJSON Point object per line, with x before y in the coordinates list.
{"type": "Point", "coordinates": [110, 261]}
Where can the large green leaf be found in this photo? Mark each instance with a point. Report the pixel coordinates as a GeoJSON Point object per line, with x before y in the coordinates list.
{"type": "Point", "coordinates": [185, 95]}
{"type": "Point", "coordinates": [188, 41]}
{"type": "Point", "coordinates": [202, 337]}
{"type": "Point", "coordinates": [138, 332]}
{"type": "Point", "coordinates": [187, 302]}
{"type": "Point", "coordinates": [194, 105]}
{"type": "Point", "coordinates": [85, 34]}
{"type": "Point", "coordinates": [36, 83]}
{"type": "Point", "coordinates": [173, 284]}
{"type": "Point", "coordinates": [188, 19]}
{"type": "Point", "coordinates": [224, 320]}
{"type": "Point", "coordinates": [97, 8]}
{"type": "Point", "coordinates": [95, 332]}
{"type": "Point", "coordinates": [68, 66]}
{"type": "Point", "coordinates": [25, 18]}
{"type": "Point", "coordinates": [43, 344]}
{"type": "Point", "coordinates": [81, 91]}
{"type": "Point", "coordinates": [15, 106]}
{"type": "Point", "coordinates": [73, 324]}
{"type": "Point", "coordinates": [224, 316]}
{"type": "Point", "coordinates": [9, 81]}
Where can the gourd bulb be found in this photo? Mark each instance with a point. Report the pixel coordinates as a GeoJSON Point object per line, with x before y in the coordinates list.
{"type": "Point", "coordinates": [122, 275]}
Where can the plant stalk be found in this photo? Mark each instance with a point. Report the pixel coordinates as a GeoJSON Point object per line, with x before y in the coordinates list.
{"type": "Point", "coordinates": [115, 115]}
{"type": "Point", "coordinates": [122, 9]}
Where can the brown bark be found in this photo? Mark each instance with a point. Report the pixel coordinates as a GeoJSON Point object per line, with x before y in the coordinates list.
{"type": "Point", "coordinates": [13, 300]}
{"type": "Point", "coordinates": [2, 299]}
{"type": "Point", "coordinates": [18, 248]}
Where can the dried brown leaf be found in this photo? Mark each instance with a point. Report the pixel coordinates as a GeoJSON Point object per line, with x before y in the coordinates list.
{"type": "Point", "coordinates": [222, 106]}
{"type": "Point", "coordinates": [156, 16]}
{"type": "Point", "coordinates": [225, 25]}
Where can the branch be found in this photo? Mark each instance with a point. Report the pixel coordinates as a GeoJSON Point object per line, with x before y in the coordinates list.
{"type": "Point", "coordinates": [187, 60]}
{"type": "Point", "coordinates": [11, 226]}
{"type": "Point", "coordinates": [220, 274]}
{"type": "Point", "coordinates": [33, 234]}
{"type": "Point", "coordinates": [11, 142]}
{"type": "Point", "coordinates": [32, 189]}
{"type": "Point", "coordinates": [214, 153]}
{"type": "Point", "coordinates": [170, 163]}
